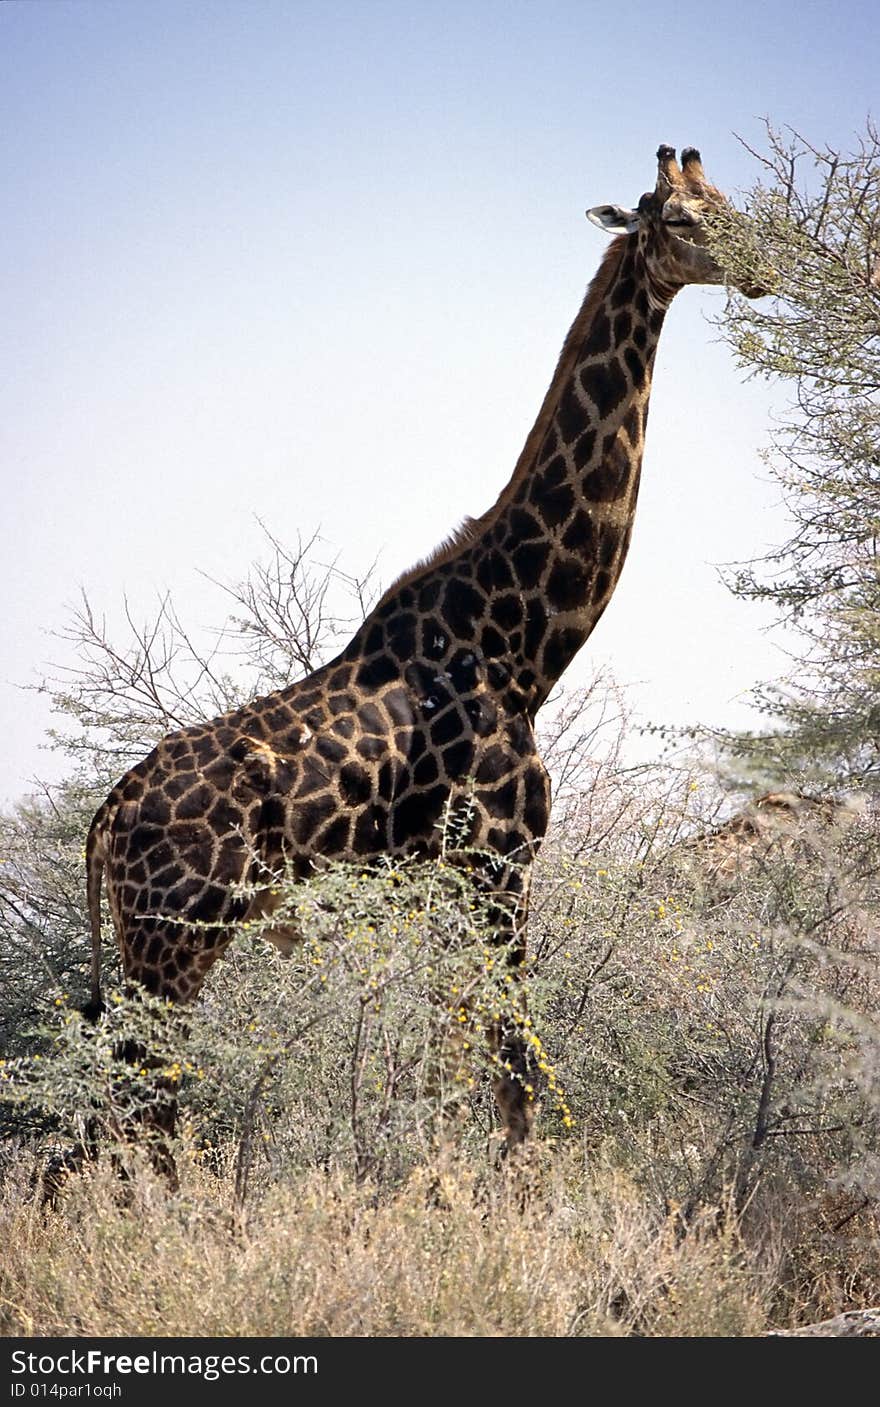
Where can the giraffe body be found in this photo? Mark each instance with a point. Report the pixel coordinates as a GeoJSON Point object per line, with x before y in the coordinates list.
{"type": "Point", "coordinates": [429, 711]}
{"type": "Point", "coordinates": [318, 771]}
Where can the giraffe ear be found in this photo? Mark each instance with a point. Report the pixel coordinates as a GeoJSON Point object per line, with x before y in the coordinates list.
{"type": "Point", "coordinates": [614, 219]}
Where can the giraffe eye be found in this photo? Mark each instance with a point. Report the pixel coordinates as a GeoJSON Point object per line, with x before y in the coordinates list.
{"type": "Point", "coordinates": [679, 217]}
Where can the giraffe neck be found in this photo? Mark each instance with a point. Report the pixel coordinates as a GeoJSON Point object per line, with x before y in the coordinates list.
{"type": "Point", "coordinates": [565, 520]}
{"type": "Point", "coordinates": [527, 582]}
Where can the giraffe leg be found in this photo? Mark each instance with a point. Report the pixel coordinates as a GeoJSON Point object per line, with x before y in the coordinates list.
{"type": "Point", "coordinates": [52, 1178]}
{"type": "Point", "coordinates": [515, 1087]}
{"type": "Point", "coordinates": [147, 1100]}
{"type": "Point", "coordinates": [140, 1114]}
{"type": "Point", "coordinates": [516, 1084]}
{"type": "Point", "coordinates": [145, 1112]}
{"type": "Point", "coordinates": [50, 1181]}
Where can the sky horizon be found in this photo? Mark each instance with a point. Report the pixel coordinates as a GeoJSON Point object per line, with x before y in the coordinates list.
{"type": "Point", "coordinates": [313, 264]}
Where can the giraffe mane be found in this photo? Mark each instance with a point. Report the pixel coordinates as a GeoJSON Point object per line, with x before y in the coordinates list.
{"type": "Point", "coordinates": [462, 536]}
{"type": "Point", "coordinates": [471, 528]}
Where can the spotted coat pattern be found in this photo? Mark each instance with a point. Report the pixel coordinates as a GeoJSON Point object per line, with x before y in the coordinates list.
{"type": "Point", "coordinates": [429, 710]}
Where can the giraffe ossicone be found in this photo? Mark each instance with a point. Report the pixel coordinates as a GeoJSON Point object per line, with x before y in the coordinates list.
{"type": "Point", "coordinates": [434, 699]}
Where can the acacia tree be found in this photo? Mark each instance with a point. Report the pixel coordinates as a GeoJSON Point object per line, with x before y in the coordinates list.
{"type": "Point", "coordinates": [811, 236]}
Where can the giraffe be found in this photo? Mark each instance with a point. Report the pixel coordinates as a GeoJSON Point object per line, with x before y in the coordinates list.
{"type": "Point", "coordinates": [432, 703]}
{"type": "Point", "coordinates": [774, 824]}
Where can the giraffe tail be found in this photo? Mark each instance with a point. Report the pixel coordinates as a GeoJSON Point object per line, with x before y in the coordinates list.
{"type": "Point", "coordinates": [95, 859]}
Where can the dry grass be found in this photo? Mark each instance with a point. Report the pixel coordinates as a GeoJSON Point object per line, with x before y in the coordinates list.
{"type": "Point", "coordinates": [546, 1251]}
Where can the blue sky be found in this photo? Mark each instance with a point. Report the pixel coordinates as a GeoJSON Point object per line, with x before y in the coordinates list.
{"type": "Point", "coordinates": [315, 263]}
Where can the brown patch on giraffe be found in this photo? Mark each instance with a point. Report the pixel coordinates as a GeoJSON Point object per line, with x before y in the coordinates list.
{"type": "Point", "coordinates": [611, 478]}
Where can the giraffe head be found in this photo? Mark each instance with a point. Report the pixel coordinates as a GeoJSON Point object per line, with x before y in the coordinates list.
{"type": "Point", "coordinates": [670, 222]}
